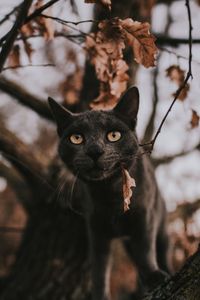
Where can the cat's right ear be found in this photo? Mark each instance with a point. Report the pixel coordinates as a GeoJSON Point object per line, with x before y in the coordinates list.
{"type": "Point", "coordinates": [128, 105]}
{"type": "Point", "coordinates": [62, 116]}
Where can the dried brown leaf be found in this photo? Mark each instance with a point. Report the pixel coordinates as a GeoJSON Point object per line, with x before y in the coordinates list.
{"type": "Point", "coordinates": [138, 36]}
{"type": "Point", "coordinates": [176, 74]}
{"type": "Point", "coordinates": [195, 119]}
{"type": "Point", "coordinates": [27, 29]}
{"type": "Point", "coordinates": [14, 57]}
{"type": "Point", "coordinates": [128, 184]}
{"type": "Point", "coordinates": [105, 49]}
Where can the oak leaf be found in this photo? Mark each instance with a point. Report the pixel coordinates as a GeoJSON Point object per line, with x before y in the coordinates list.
{"type": "Point", "coordinates": [195, 119]}
{"type": "Point", "coordinates": [138, 36]}
{"type": "Point", "coordinates": [105, 49]}
{"type": "Point", "coordinates": [128, 184]}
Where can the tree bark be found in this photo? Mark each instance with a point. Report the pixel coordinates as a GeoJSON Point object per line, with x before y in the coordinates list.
{"type": "Point", "coordinates": [182, 286]}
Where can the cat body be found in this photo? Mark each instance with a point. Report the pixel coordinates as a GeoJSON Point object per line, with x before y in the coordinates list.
{"type": "Point", "coordinates": [95, 146]}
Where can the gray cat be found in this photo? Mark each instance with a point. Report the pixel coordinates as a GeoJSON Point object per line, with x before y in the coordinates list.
{"type": "Point", "coordinates": [95, 145]}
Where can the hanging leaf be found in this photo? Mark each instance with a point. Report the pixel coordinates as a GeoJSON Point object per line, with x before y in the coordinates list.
{"type": "Point", "coordinates": [128, 184]}
{"type": "Point", "coordinates": [138, 36]}
{"type": "Point", "coordinates": [105, 49]}
{"type": "Point", "coordinates": [176, 74]}
{"type": "Point", "coordinates": [195, 119]}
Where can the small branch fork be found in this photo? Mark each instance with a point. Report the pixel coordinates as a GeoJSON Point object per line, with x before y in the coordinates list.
{"type": "Point", "coordinates": [35, 14]}
{"type": "Point", "coordinates": [148, 147]}
{"type": "Point", "coordinates": [14, 32]}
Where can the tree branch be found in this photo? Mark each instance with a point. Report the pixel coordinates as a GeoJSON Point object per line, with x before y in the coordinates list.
{"type": "Point", "coordinates": [26, 162]}
{"type": "Point", "coordinates": [38, 11]}
{"type": "Point", "coordinates": [7, 16]}
{"type": "Point", "coordinates": [35, 14]}
{"type": "Point", "coordinates": [183, 285]}
{"type": "Point", "coordinates": [167, 159]}
{"type": "Point", "coordinates": [28, 65]}
{"type": "Point", "coordinates": [6, 48]}
{"type": "Point", "coordinates": [25, 98]}
{"type": "Point", "coordinates": [17, 183]}
{"type": "Point", "coordinates": [150, 126]}
{"type": "Point", "coordinates": [184, 211]}
{"type": "Point", "coordinates": [175, 42]}
{"type": "Point", "coordinates": [150, 145]}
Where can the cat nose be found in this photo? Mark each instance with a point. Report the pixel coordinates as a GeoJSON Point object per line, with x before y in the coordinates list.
{"type": "Point", "coordinates": [95, 151]}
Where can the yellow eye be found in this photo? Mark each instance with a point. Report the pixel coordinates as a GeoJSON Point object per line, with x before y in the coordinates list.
{"type": "Point", "coordinates": [114, 136]}
{"type": "Point", "coordinates": [76, 139]}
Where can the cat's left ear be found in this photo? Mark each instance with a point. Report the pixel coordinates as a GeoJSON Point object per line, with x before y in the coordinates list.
{"type": "Point", "coordinates": [62, 116]}
{"type": "Point", "coordinates": [128, 105]}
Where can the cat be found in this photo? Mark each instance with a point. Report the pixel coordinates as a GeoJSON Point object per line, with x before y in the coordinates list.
{"type": "Point", "coordinates": [95, 145]}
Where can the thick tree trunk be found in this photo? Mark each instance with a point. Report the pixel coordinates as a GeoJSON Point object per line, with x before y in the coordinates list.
{"type": "Point", "coordinates": [52, 262]}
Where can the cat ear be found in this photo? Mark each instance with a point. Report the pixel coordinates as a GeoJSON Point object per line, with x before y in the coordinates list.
{"type": "Point", "coordinates": [62, 116]}
{"type": "Point", "coordinates": [128, 105]}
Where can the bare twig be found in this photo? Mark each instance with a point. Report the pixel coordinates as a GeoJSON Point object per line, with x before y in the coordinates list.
{"type": "Point", "coordinates": [174, 42]}
{"type": "Point", "coordinates": [35, 14]}
{"type": "Point", "coordinates": [178, 55]}
{"type": "Point", "coordinates": [167, 159]}
{"type": "Point", "coordinates": [7, 16]}
{"type": "Point", "coordinates": [28, 65]}
{"type": "Point", "coordinates": [150, 145]}
{"type": "Point", "coordinates": [25, 98]}
{"type": "Point", "coordinates": [6, 48]}
{"type": "Point", "coordinates": [38, 11]}
{"type": "Point", "coordinates": [184, 211]}
{"type": "Point", "coordinates": [69, 23]}
{"type": "Point", "coordinates": [150, 126]}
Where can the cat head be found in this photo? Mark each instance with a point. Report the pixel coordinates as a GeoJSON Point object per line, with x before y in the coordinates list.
{"type": "Point", "coordinates": [95, 144]}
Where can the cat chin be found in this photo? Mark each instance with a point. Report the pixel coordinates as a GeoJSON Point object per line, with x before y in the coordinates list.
{"type": "Point", "coordinates": [97, 176]}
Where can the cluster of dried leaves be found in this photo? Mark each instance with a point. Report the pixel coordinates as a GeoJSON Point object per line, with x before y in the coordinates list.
{"type": "Point", "coordinates": [105, 49]}
{"type": "Point", "coordinates": [176, 74]}
{"type": "Point", "coordinates": [37, 27]}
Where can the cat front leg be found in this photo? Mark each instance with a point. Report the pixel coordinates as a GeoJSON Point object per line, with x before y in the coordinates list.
{"type": "Point", "coordinates": [142, 249]}
{"type": "Point", "coordinates": [100, 241]}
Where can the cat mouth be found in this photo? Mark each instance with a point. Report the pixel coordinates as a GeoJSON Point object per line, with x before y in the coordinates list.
{"type": "Point", "coordinates": [99, 173]}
